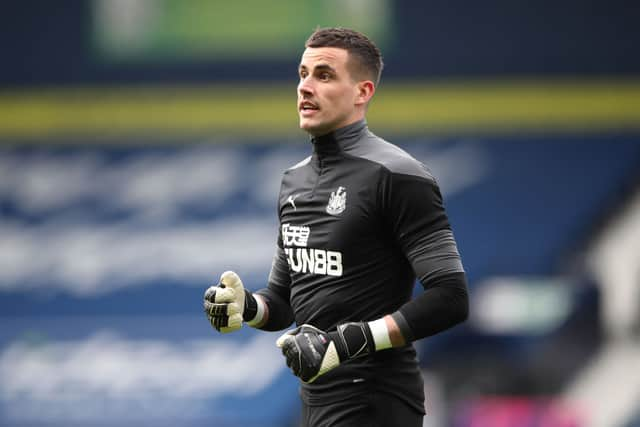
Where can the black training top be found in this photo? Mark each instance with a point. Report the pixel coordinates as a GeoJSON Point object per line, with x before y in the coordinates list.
{"type": "Point", "coordinates": [360, 219]}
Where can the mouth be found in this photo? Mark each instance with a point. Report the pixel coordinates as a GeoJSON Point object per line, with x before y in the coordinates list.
{"type": "Point", "coordinates": [307, 108]}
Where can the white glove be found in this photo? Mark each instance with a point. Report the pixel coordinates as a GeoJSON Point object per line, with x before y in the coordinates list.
{"type": "Point", "coordinates": [224, 303]}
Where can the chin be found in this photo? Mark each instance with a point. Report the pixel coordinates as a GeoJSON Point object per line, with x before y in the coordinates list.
{"type": "Point", "coordinates": [308, 127]}
{"type": "Point", "coordinates": [316, 129]}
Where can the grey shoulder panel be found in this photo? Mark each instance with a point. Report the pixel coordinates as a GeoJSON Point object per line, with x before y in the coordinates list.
{"type": "Point", "coordinates": [300, 164]}
{"type": "Point", "coordinates": [392, 157]}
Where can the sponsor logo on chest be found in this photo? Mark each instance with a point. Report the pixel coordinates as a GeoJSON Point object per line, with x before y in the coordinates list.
{"type": "Point", "coordinates": [302, 259]}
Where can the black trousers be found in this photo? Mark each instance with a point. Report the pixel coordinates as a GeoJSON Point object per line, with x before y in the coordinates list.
{"type": "Point", "coordinates": [372, 410]}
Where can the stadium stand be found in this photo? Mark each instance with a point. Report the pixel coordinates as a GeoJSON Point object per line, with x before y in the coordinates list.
{"type": "Point", "coordinates": [137, 161]}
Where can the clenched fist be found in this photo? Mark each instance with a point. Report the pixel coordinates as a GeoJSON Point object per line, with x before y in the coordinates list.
{"type": "Point", "coordinates": [224, 303]}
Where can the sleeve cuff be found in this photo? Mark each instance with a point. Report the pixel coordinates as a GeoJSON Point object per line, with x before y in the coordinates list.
{"type": "Point", "coordinates": [405, 329]}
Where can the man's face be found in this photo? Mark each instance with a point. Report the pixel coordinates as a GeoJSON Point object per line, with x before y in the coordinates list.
{"type": "Point", "coordinates": [328, 96]}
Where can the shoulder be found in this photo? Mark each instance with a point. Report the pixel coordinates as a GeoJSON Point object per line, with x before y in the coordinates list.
{"type": "Point", "coordinates": [390, 157]}
{"type": "Point", "coordinates": [292, 177]}
{"type": "Point", "coordinates": [298, 165]}
{"type": "Point", "coordinates": [297, 170]}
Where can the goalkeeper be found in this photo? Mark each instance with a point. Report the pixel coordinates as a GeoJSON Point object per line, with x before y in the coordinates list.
{"type": "Point", "coordinates": [360, 220]}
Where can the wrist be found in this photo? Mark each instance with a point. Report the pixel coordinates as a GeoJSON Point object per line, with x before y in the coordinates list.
{"type": "Point", "coordinates": [380, 334]}
{"type": "Point", "coordinates": [353, 340]}
{"type": "Point", "coordinates": [255, 310]}
{"type": "Point", "coordinates": [386, 333]}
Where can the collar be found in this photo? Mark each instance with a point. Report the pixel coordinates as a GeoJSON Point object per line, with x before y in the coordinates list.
{"type": "Point", "coordinates": [339, 139]}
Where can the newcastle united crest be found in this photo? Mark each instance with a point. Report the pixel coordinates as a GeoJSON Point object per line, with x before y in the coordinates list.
{"type": "Point", "coordinates": [337, 201]}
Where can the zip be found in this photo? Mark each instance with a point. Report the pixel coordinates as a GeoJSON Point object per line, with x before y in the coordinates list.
{"type": "Point", "coordinates": [313, 192]}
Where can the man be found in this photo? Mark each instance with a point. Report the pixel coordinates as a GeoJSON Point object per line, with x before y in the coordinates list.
{"type": "Point", "coordinates": [360, 219]}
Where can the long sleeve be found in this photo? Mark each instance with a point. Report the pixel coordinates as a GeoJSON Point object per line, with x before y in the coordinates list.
{"type": "Point", "coordinates": [415, 213]}
{"type": "Point", "coordinates": [276, 294]}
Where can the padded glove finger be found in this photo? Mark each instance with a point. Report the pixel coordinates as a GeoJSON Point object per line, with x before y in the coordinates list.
{"type": "Point", "coordinates": [221, 309]}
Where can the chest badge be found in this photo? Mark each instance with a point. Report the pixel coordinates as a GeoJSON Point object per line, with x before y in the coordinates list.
{"type": "Point", "coordinates": [337, 201]}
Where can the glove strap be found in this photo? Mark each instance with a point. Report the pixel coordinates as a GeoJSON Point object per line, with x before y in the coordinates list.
{"type": "Point", "coordinates": [250, 306]}
{"type": "Point", "coordinates": [353, 340]}
{"type": "Point", "coordinates": [254, 310]}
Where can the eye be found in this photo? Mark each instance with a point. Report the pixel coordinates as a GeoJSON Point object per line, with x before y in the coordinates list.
{"type": "Point", "coordinates": [302, 74]}
{"type": "Point", "coordinates": [325, 76]}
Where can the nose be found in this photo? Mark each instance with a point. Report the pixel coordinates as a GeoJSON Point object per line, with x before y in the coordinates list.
{"type": "Point", "coordinates": [305, 88]}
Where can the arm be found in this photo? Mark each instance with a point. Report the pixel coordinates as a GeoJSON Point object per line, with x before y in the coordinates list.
{"type": "Point", "coordinates": [420, 226]}
{"type": "Point", "coordinates": [268, 309]}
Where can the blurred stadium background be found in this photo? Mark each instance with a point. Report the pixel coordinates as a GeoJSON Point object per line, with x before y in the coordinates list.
{"type": "Point", "coordinates": [141, 146]}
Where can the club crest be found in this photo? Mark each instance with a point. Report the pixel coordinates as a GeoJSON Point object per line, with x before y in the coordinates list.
{"type": "Point", "coordinates": [337, 201]}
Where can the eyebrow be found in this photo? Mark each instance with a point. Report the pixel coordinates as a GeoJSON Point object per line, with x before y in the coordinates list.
{"type": "Point", "coordinates": [319, 67]}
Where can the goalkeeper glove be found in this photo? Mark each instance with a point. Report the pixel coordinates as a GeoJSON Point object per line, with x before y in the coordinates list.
{"type": "Point", "coordinates": [311, 352]}
{"type": "Point", "coordinates": [225, 303]}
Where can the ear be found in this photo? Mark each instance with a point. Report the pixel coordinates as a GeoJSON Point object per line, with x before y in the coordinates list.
{"type": "Point", "coordinates": [365, 91]}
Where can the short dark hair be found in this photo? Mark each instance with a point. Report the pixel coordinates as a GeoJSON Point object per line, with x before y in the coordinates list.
{"type": "Point", "coordinates": [365, 56]}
